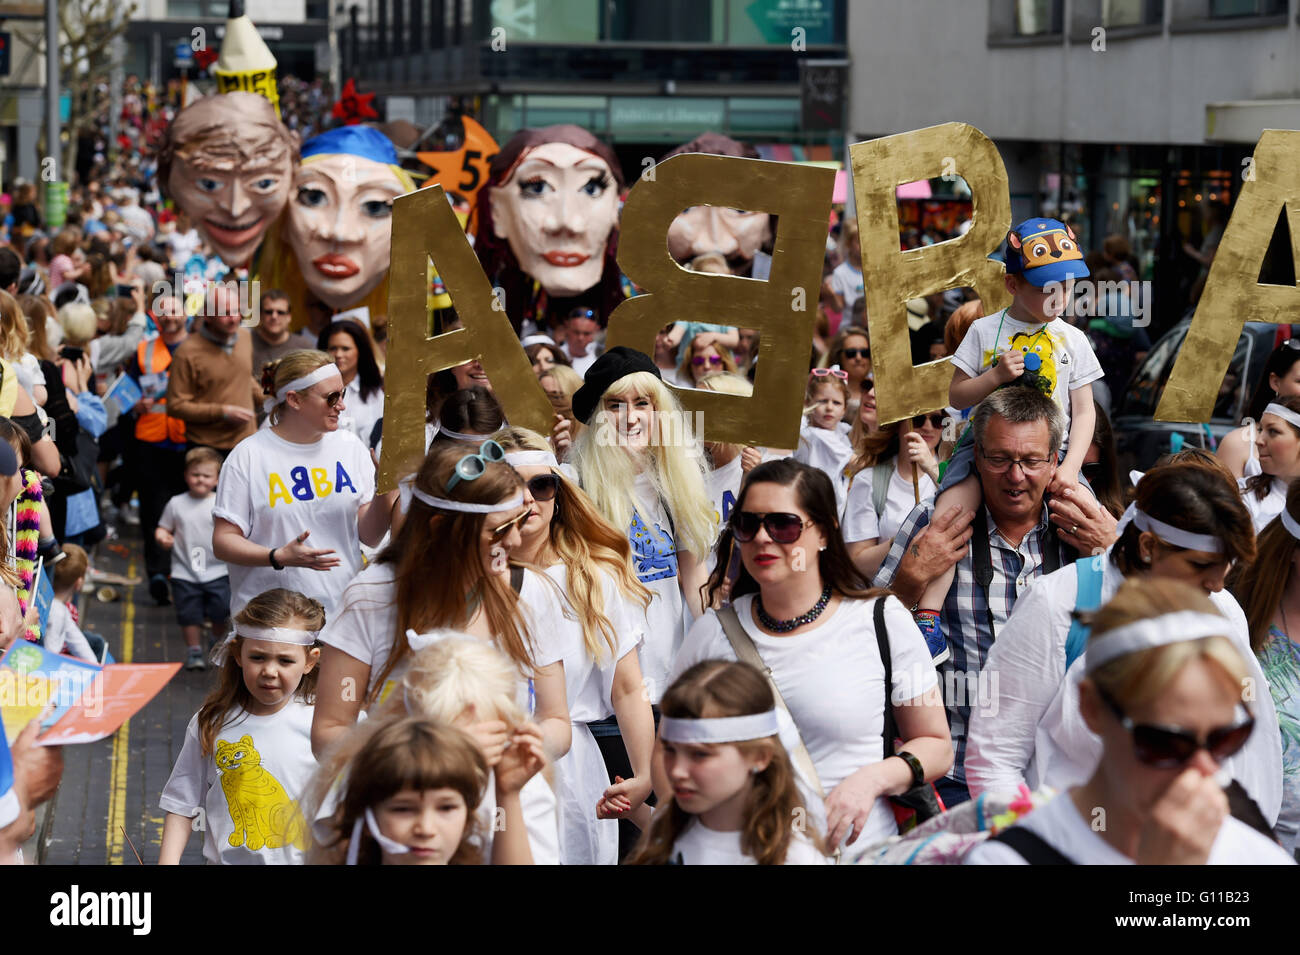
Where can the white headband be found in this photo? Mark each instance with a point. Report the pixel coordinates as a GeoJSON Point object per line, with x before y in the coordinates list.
{"type": "Point", "coordinates": [531, 459]}
{"type": "Point", "coordinates": [1291, 524]}
{"type": "Point", "coordinates": [302, 638]}
{"type": "Point", "coordinates": [385, 843]}
{"type": "Point", "coordinates": [1176, 536]}
{"type": "Point", "coordinates": [1286, 414]}
{"type": "Point", "coordinates": [1177, 627]}
{"type": "Point", "coordinates": [299, 384]}
{"type": "Point", "coordinates": [722, 729]}
{"type": "Point", "coordinates": [440, 431]}
{"type": "Point", "coordinates": [537, 340]}
{"type": "Point", "coordinates": [445, 504]}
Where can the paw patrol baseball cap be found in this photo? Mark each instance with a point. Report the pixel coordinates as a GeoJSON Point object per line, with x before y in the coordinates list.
{"type": "Point", "coordinates": [1044, 251]}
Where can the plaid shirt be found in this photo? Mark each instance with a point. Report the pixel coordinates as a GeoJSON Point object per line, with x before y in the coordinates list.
{"type": "Point", "coordinates": [965, 611]}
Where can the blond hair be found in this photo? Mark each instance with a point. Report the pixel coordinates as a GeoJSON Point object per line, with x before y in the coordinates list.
{"type": "Point", "coordinates": [727, 383]}
{"type": "Point", "coordinates": [1138, 678]}
{"type": "Point", "coordinates": [14, 333]}
{"type": "Point", "coordinates": [568, 379]}
{"type": "Point", "coordinates": [674, 464]}
{"type": "Point", "coordinates": [292, 366]}
{"type": "Point", "coordinates": [586, 544]}
{"type": "Point", "coordinates": [77, 319]}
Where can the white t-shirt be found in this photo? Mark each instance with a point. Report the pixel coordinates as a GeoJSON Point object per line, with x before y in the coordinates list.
{"type": "Point", "coordinates": [62, 635]}
{"type": "Point", "coordinates": [360, 415]}
{"type": "Point", "coordinates": [1026, 725]}
{"type": "Point", "coordinates": [1261, 512]}
{"type": "Point", "coordinates": [654, 559]}
{"type": "Point", "coordinates": [366, 622]}
{"type": "Point", "coordinates": [1068, 361]}
{"type": "Point", "coordinates": [700, 845]}
{"type": "Point", "coordinates": [1059, 824]}
{"type": "Point", "coordinates": [581, 364]}
{"type": "Point", "coordinates": [832, 680]}
{"type": "Point", "coordinates": [189, 518]}
{"type": "Point", "coordinates": [258, 769]}
{"type": "Point", "coordinates": [846, 282]}
{"type": "Point", "coordinates": [829, 451]}
{"type": "Point", "coordinates": [861, 522]}
{"type": "Point", "coordinates": [183, 245]}
{"type": "Point", "coordinates": [273, 490]}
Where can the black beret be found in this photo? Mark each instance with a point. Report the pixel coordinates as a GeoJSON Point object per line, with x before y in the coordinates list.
{"type": "Point", "coordinates": [617, 363]}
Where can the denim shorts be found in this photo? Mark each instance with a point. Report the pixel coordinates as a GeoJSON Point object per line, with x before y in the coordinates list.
{"type": "Point", "coordinates": [198, 602]}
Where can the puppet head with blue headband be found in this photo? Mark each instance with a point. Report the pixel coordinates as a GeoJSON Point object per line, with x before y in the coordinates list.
{"type": "Point", "coordinates": [339, 223]}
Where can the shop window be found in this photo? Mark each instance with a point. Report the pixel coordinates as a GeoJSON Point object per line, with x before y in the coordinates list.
{"type": "Point", "coordinates": [1132, 13]}
{"type": "Point", "coordinates": [1247, 8]}
{"type": "Point", "coordinates": [1038, 17]}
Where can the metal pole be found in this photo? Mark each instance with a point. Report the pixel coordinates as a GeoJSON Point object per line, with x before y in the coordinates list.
{"type": "Point", "coordinates": [52, 83]}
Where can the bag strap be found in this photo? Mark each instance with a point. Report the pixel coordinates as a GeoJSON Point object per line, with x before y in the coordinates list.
{"type": "Point", "coordinates": [1031, 847]}
{"type": "Point", "coordinates": [890, 726]}
{"type": "Point", "coordinates": [1089, 577]}
{"type": "Point", "coordinates": [981, 553]}
{"type": "Point", "coordinates": [880, 478]}
{"type": "Point", "coordinates": [516, 578]}
{"type": "Point", "coordinates": [746, 652]}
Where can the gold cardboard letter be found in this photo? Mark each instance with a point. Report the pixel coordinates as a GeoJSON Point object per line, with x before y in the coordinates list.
{"type": "Point", "coordinates": [424, 228]}
{"type": "Point", "coordinates": [879, 168]}
{"type": "Point", "coordinates": [1233, 295]}
{"type": "Point", "coordinates": [800, 196]}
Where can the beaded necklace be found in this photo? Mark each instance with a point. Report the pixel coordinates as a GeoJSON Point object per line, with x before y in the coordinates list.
{"type": "Point", "coordinates": [785, 626]}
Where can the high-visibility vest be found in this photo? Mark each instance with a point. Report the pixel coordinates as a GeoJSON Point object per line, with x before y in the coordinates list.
{"type": "Point", "coordinates": [156, 426]}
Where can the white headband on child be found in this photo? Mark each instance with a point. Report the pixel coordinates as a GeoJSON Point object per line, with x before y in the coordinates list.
{"type": "Point", "coordinates": [441, 431]}
{"type": "Point", "coordinates": [464, 507]}
{"type": "Point", "coordinates": [300, 384]}
{"type": "Point", "coordinates": [1176, 536]}
{"type": "Point", "coordinates": [531, 459]}
{"type": "Point", "coordinates": [303, 638]}
{"type": "Point", "coordinates": [1291, 524]}
{"type": "Point", "coordinates": [722, 729]}
{"type": "Point", "coordinates": [385, 843]}
{"type": "Point", "coordinates": [1178, 627]}
{"type": "Point", "coordinates": [1283, 412]}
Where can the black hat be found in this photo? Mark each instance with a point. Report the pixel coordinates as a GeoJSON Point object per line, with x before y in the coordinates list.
{"type": "Point", "coordinates": [616, 363]}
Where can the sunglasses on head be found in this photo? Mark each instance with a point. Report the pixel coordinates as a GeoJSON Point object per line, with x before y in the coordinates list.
{"type": "Point", "coordinates": [712, 360]}
{"type": "Point", "coordinates": [544, 487]}
{"type": "Point", "coordinates": [583, 313]}
{"type": "Point", "coordinates": [857, 353]}
{"type": "Point", "coordinates": [1169, 747]}
{"type": "Point", "coordinates": [472, 466]}
{"type": "Point", "coordinates": [782, 528]}
{"type": "Point", "coordinates": [826, 372]}
{"type": "Point", "coordinates": [935, 417]}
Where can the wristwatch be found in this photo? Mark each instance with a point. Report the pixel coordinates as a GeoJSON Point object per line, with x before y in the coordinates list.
{"type": "Point", "coordinates": [914, 764]}
{"type": "Point", "coordinates": [274, 563]}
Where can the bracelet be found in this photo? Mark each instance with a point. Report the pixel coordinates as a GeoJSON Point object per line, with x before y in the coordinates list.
{"type": "Point", "coordinates": [274, 563]}
{"type": "Point", "coordinates": [914, 764]}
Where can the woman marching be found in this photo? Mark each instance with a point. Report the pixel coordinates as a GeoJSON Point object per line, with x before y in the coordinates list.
{"type": "Point", "coordinates": [296, 499]}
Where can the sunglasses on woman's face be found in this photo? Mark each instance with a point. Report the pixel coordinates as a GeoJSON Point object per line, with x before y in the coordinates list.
{"type": "Point", "coordinates": [868, 384]}
{"type": "Point", "coordinates": [332, 399]}
{"type": "Point", "coordinates": [857, 353]}
{"type": "Point", "coordinates": [714, 360]}
{"type": "Point", "coordinates": [544, 487]}
{"type": "Point", "coordinates": [1093, 471]}
{"type": "Point", "coordinates": [935, 418]}
{"type": "Point", "coordinates": [782, 528]}
{"type": "Point", "coordinates": [504, 529]}
{"type": "Point", "coordinates": [1170, 747]}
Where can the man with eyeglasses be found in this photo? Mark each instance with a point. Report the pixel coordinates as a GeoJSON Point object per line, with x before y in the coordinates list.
{"type": "Point", "coordinates": [1017, 432]}
{"type": "Point", "coordinates": [272, 339]}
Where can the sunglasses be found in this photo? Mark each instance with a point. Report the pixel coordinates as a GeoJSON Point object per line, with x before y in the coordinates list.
{"type": "Point", "coordinates": [472, 466]}
{"type": "Point", "coordinates": [868, 384]}
{"type": "Point", "coordinates": [712, 360]}
{"type": "Point", "coordinates": [501, 531]}
{"type": "Point", "coordinates": [1093, 471]}
{"type": "Point", "coordinates": [544, 487]}
{"type": "Point", "coordinates": [936, 419]}
{"type": "Point", "coordinates": [333, 399]}
{"type": "Point", "coordinates": [1168, 747]}
{"type": "Point", "coordinates": [782, 528]}
{"type": "Point", "coordinates": [275, 311]}
{"type": "Point", "coordinates": [826, 372]}
{"type": "Point", "coordinates": [857, 353]}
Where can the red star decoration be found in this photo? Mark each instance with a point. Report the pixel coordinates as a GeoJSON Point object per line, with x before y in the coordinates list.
{"type": "Point", "coordinates": [352, 106]}
{"type": "Point", "coordinates": [205, 57]}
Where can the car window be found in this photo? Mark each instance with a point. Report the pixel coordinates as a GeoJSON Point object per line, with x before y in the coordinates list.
{"type": "Point", "coordinates": [1148, 382]}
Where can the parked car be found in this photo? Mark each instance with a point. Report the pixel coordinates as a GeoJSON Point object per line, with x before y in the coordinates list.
{"type": "Point", "coordinates": [1141, 439]}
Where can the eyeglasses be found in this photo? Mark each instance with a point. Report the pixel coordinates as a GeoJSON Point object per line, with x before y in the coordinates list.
{"type": "Point", "coordinates": [868, 384]}
{"type": "Point", "coordinates": [825, 372]}
{"type": "Point", "coordinates": [1169, 747]}
{"type": "Point", "coordinates": [857, 353]}
{"type": "Point", "coordinates": [782, 528]}
{"type": "Point", "coordinates": [544, 487]}
{"type": "Point", "coordinates": [998, 463]}
{"type": "Point", "coordinates": [712, 360]}
{"type": "Point", "coordinates": [501, 531]}
{"type": "Point", "coordinates": [332, 400]}
{"type": "Point", "coordinates": [472, 466]}
{"type": "Point", "coordinates": [936, 420]}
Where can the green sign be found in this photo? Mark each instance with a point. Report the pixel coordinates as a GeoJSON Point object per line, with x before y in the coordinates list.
{"type": "Point", "coordinates": [754, 22]}
{"type": "Point", "coordinates": [665, 117]}
{"type": "Point", "coordinates": [56, 204]}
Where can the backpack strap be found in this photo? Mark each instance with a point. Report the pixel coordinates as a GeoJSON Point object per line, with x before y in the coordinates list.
{"type": "Point", "coordinates": [880, 478]}
{"type": "Point", "coordinates": [890, 727]}
{"type": "Point", "coordinates": [1089, 577]}
{"type": "Point", "coordinates": [516, 578]}
{"type": "Point", "coordinates": [1031, 847]}
{"type": "Point", "coordinates": [746, 652]}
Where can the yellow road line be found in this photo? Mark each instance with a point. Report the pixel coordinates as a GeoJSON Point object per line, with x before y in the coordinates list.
{"type": "Point", "coordinates": [122, 739]}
